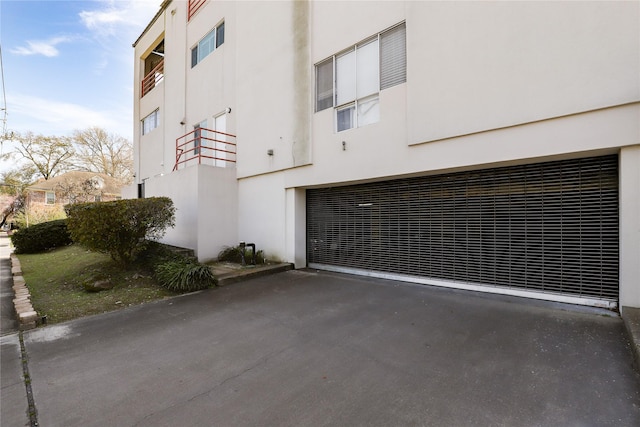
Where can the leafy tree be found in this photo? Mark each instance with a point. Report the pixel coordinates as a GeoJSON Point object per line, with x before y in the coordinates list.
{"type": "Point", "coordinates": [14, 181]}
{"type": "Point", "coordinates": [49, 155]}
{"type": "Point", "coordinates": [120, 228]}
{"type": "Point", "coordinates": [99, 151]}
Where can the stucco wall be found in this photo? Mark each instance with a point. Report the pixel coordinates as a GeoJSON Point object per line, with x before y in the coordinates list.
{"type": "Point", "coordinates": [217, 211]}
{"type": "Point", "coordinates": [486, 65]}
{"type": "Point", "coordinates": [273, 76]}
{"type": "Point", "coordinates": [261, 214]}
{"type": "Point", "coordinates": [630, 225]}
{"type": "Point", "coordinates": [206, 202]}
{"type": "Point", "coordinates": [152, 145]}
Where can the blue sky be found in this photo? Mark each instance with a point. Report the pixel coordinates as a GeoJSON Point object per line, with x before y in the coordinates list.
{"type": "Point", "coordinates": [69, 64]}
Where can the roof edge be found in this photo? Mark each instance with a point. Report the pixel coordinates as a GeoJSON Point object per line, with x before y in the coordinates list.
{"type": "Point", "coordinates": [163, 7]}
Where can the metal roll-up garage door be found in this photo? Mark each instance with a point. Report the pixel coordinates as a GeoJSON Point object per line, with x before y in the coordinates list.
{"type": "Point", "coordinates": [548, 228]}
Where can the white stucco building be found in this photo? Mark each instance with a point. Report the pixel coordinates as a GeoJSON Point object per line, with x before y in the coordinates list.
{"type": "Point", "coordinates": [479, 145]}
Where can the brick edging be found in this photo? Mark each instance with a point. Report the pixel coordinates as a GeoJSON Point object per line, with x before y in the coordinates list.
{"type": "Point", "coordinates": [27, 316]}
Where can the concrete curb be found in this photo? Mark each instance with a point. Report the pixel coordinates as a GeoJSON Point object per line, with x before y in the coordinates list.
{"type": "Point", "coordinates": [250, 273]}
{"type": "Point", "coordinates": [631, 318]}
{"type": "Point", "coordinates": [27, 316]}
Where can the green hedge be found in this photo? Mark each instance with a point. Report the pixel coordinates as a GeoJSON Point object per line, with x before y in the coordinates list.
{"type": "Point", "coordinates": [41, 237]}
{"type": "Point", "coordinates": [120, 228]}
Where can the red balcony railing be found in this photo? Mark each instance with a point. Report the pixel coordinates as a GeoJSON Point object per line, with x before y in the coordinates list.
{"type": "Point", "coordinates": [205, 146]}
{"type": "Point", "coordinates": [194, 6]}
{"type": "Point", "coordinates": [154, 77]}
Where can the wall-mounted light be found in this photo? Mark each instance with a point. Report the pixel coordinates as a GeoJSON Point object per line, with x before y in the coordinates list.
{"type": "Point", "coordinates": [270, 152]}
{"type": "Point", "coordinates": [344, 145]}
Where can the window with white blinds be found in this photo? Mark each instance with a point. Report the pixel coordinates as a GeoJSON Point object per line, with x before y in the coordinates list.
{"type": "Point", "coordinates": [361, 71]}
{"type": "Point", "coordinates": [393, 57]}
{"type": "Point", "coordinates": [324, 84]}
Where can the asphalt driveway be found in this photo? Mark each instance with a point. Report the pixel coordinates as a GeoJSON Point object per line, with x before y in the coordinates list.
{"type": "Point", "coordinates": [310, 349]}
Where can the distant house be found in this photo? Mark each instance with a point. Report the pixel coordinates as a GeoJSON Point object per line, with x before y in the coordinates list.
{"type": "Point", "coordinates": [73, 187]}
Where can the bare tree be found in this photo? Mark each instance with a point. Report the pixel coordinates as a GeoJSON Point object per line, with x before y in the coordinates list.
{"type": "Point", "coordinates": [79, 191]}
{"type": "Point", "coordinates": [10, 205]}
{"type": "Point", "coordinates": [99, 151]}
{"type": "Point", "coordinates": [49, 155]}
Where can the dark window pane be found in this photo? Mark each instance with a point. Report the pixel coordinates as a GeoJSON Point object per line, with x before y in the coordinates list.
{"type": "Point", "coordinates": [220, 35]}
{"type": "Point", "coordinates": [324, 85]}
{"type": "Point", "coordinates": [194, 56]}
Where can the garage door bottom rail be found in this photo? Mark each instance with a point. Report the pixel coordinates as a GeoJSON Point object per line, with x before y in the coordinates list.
{"type": "Point", "coordinates": [608, 304]}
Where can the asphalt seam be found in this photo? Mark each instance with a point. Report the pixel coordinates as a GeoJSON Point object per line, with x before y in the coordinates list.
{"type": "Point", "coordinates": [31, 408]}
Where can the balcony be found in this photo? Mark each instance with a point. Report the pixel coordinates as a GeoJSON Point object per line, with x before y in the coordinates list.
{"type": "Point", "coordinates": [204, 146]}
{"type": "Point", "coordinates": [153, 78]}
{"type": "Point", "coordinates": [193, 7]}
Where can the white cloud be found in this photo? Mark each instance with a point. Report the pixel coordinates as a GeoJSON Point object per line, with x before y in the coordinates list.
{"type": "Point", "coordinates": [102, 21]}
{"type": "Point", "coordinates": [113, 17]}
{"type": "Point", "coordinates": [42, 47]}
{"type": "Point", "coordinates": [51, 117]}
{"type": "Point", "coordinates": [115, 25]}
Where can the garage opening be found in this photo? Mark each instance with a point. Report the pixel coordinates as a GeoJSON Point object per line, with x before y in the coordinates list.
{"type": "Point", "coordinates": [547, 230]}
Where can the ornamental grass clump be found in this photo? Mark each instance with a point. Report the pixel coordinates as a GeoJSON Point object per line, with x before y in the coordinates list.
{"type": "Point", "coordinates": [184, 275]}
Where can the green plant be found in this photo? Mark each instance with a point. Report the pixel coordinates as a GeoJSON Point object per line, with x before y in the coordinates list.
{"type": "Point", "coordinates": [121, 228]}
{"type": "Point", "coordinates": [234, 254]}
{"type": "Point", "coordinates": [41, 237]}
{"type": "Point", "coordinates": [57, 278]}
{"type": "Point", "coordinates": [156, 253]}
{"type": "Point", "coordinates": [184, 275]}
{"type": "Point", "coordinates": [37, 214]}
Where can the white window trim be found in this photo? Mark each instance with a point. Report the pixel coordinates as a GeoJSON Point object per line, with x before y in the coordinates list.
{"type": "Point", "coordinates": [156, 122]}
{"type": "Point", "coordinates": [358, 100]}
{"type": "Point", "coordinates": [216, 46]}
{"type": "Point", "coordinates": [46, 197]}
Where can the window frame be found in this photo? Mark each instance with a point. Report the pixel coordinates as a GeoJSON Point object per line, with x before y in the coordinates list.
{"type": "Point", "coordinates": [216, 40]}
{"type": "Point", "coordinates": [323, 102]}
{"type": "Point", "coordinates": [156, 122]}
{"type": "Point", "coordinates": [50, 200]}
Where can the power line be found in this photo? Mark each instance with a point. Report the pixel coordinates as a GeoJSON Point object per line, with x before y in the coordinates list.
{"type": "Point", "coordinates": [3, 109]}
{"type": "Point", "coordinates": [4, 99]}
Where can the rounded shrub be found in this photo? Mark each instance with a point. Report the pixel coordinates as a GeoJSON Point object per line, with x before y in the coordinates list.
{"type": "Point", "coordinates": [184, 275]}
{"type": "Point", "coordinates": [41, 237]}
{"type": "Point", "coordinates": [121, 228]}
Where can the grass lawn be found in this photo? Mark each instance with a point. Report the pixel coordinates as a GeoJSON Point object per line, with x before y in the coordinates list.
{"type": "Point", "coordinates": [55, 281]}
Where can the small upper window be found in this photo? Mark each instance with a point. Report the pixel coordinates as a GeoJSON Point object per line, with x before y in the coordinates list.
{"type": "Point", "coordinates": [150, 122]}
{"type": "Point", "coordinates": [208, 44]}
{"type": "Point", "coordinates": [50, 198]}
